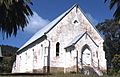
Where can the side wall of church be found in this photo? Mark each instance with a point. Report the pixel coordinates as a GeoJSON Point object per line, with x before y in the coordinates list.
{"type": "Point", "coordinates": [33, 59]}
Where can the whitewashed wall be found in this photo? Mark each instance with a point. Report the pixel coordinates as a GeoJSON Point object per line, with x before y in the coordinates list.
{"type": "Point", "coordinates": [64, 32]}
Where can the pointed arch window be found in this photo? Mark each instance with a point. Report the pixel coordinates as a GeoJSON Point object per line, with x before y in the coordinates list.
{"type": "Point", "coordinates": [57, 48]}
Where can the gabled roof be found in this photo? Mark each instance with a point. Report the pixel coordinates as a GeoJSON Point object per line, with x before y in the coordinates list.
{"type": "Point", "coordinates": [47, 28]}
{"type": "Point", "coordinates": [78, 38]}
{"type": "Point", "coordinates": [51, 25]}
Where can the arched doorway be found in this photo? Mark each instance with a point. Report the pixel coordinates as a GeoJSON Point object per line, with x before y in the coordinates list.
{"type": "Point", "coordinates": [86, 56]}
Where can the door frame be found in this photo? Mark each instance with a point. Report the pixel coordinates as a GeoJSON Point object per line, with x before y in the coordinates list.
{"type": "Point", "coordinates": [82, 50]}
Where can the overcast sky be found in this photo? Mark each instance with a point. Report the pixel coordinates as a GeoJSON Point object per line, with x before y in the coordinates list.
{"type": "Point", "coordinates": [47, 10]}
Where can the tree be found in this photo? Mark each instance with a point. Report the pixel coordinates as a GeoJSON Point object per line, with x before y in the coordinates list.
{"type": "Point", "coordinates": [116, 4]}
{"type": "Point", "coordinates": [9, 56]}
{"type": "Point", "coordinates": [14, 16]}
{"type": "Point", "coordinates": [6, 64]}
{"type": "Point", "coordinates": [111, 31]}
{"type": "Point", "coordinates": [116, 62]}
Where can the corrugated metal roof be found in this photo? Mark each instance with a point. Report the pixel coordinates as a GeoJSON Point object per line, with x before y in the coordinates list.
{"type": "Point", "coordinates": [52, 24]}
{"type": "Point", "coordinates": [47, 28]}
{"type": "Point", "coordinates": [76, 39]}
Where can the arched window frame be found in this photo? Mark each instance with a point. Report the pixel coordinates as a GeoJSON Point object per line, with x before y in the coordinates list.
{"type": "Point", "coordinates": [83, 48]}
{"type": "Point", "coordinates": [57, 48]}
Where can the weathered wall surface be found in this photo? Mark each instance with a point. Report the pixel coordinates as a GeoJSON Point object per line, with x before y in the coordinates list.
{"type": "Point", "coordinates": [72, 25]}
{"type": "Point", "coordinates": [64, 32]}
{"type": "Point", "coordinates": [33, 59]}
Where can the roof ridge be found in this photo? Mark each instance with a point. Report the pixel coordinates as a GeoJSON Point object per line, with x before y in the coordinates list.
{"type": "Point", "coordinates": [47, 28]}
{"type": "Point", "coordinates": [76, 39]}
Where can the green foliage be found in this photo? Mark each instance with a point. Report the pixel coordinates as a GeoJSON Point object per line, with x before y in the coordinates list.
{"type": "Point", "coordinates": [116, 63]}
{"type": "Point", "coordinates": [9, 54]}
{"type": "Point", "coordinates": [6, 64]}
{"type": "Point", "coordinates": [8, 51]}
{"type": "Point", "coordinates": [116, 4]}
{"type": "Point", "coordinates": [111, 31]}
{"type": "Point", "coordinates": [112, 72]}
{"type": "Point", "coordinates": [14, 16]}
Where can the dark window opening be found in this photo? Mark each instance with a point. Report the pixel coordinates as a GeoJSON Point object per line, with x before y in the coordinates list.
{"type": "Point", "coordinates": [75, 22]}
{"type": "Point", "coordinates": [97, 54]}
{"type": "Point", "coordinates": [41, 45]}
{"type": "Point", "coordinates": [70, 51]}
{"type": "Point", "coordinates": [57, 48]}
{"type": "Point", "coordinates": [88, 54]}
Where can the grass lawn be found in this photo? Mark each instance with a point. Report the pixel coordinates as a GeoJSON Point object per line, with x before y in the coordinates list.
{"type": "Point", "coordinates": [50, 75]}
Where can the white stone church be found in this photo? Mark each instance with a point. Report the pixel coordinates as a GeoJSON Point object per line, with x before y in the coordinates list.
{"type": "Point", "coordinates": [70, 43]}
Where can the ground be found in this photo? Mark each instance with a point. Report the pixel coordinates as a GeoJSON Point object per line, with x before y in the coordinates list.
{"type": "Point", "coordinates": [51, 75]}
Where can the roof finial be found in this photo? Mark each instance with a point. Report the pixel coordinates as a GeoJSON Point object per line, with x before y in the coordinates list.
{"type": "Point", "coordinates": [76, 5]}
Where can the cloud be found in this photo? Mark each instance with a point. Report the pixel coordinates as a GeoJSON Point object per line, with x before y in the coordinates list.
{"type": "Point", "coordinates": [35, 23]}
{"type": "Point", "coordinates": [93, 20]}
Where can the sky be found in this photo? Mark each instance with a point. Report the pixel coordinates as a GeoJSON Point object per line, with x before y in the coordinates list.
{"type": "Point", "coordinates": [47, 10]}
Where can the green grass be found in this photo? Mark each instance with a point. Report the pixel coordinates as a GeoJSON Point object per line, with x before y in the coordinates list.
{"type": "Point", "coordinates": [50, 75]}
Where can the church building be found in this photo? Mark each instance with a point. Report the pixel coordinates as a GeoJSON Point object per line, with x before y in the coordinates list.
{"type": "Point", "coordinates": [70, 43]}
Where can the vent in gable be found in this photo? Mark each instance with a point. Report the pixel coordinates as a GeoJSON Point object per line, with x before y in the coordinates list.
{"type": "Point", "coordinates": [75, 22]}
